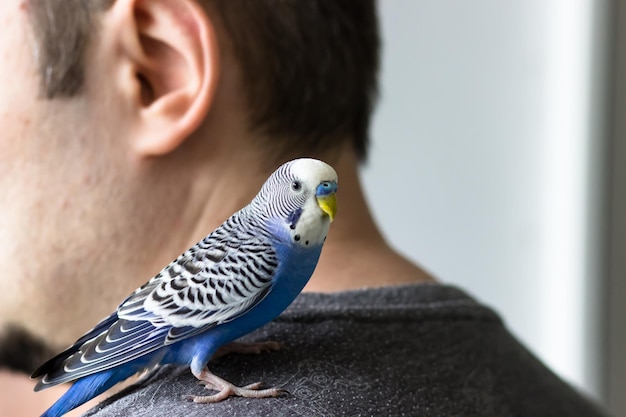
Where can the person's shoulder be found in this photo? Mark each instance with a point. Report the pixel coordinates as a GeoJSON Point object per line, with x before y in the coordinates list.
{"type": "Point", "coordinates": [410, 350]}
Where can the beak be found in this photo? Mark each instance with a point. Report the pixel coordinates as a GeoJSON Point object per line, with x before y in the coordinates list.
{"type": "Point", "coordinates": [328, 204]}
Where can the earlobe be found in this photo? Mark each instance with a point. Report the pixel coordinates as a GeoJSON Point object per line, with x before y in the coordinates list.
{"type": "Point", "coordinates": [172, 48]}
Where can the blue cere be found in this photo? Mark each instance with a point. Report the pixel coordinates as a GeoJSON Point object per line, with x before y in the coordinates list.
{"type": "Point", "coordinates": [326, 188]}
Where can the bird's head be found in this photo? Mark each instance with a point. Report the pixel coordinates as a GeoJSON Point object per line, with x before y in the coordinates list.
{"type": "Point", "coordinates": [299, 199]}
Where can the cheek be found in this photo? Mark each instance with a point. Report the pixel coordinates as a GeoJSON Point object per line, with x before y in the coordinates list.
{"type": "Point", "coordinates": [19, 81]}
{"type": "Point", "coordinates": [19, 104]}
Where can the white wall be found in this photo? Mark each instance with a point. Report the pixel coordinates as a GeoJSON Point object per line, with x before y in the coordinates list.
{"type": "Point", "coordinates": [486, 161]}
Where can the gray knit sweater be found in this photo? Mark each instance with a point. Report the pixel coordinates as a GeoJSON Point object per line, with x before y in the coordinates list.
{"type": "Point", "coordinates": [423, 350]}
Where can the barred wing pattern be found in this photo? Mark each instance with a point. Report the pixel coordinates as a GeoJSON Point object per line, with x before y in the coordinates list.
{"type": "Point", "coordinates": [217, 280]}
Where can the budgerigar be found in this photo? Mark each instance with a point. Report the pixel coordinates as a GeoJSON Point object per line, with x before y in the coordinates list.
{"type": "Point", "coordinates": [238, 278]}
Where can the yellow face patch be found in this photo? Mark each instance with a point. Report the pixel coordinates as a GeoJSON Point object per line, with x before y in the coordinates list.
{"type": "Point", "coordinates": [328, 204]}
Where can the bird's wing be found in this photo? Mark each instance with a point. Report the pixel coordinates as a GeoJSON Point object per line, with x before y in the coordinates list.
{"type": "Point", "coordinates": [217, 280]}
{"type": "Point", "coordinates": [53, 363]}
{"type": "Point", "coordinates": [120, 344]}
{"type": "Point", "coordinates": [214, 282]}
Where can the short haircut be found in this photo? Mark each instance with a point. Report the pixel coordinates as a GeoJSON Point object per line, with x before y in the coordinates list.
{"type": "Point", "coordinates": [309, 67]}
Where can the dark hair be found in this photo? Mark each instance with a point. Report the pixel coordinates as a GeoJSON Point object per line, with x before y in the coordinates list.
{"type": "Point", "coordinates": [309, 66]}
{"type": "Point", "coordinates": [62, 29]}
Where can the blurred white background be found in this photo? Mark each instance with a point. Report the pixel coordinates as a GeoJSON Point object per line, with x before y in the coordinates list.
{"type": "Point", "coordinates": [488, 163]}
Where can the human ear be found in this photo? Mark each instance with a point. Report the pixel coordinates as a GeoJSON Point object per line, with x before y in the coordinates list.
{"type": "Point", "coordinates": [168, 69]}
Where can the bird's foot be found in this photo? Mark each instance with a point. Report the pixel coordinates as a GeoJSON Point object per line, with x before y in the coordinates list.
{"type": "Point", "coordinates": [226, 389]}
{"type": "Point", "coordinates": [247, 348]}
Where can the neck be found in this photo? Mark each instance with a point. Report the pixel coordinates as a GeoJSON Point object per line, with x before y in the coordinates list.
{"type": "Point", "coordinates": [356, 255]}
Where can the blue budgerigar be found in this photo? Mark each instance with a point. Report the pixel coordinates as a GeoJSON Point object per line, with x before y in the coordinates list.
{"type": "Point", "coordinates": [233, 281]}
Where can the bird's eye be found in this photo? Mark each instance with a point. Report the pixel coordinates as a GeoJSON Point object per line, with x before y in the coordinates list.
{"type": "Point", "coordinates": [296, 185]}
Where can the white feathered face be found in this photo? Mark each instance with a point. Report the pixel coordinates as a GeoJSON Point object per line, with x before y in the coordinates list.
{"type": "Point", "coordinates": [301, 196]}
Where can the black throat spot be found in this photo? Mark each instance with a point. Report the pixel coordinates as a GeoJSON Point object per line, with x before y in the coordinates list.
{"type": "Point", "coordinates": [293, 218]}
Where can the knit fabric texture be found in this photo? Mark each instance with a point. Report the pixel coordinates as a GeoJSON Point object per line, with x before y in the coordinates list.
{"type": "Point", "coordinates": [418, 350]}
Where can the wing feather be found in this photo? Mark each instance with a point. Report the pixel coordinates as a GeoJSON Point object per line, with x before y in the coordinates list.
{"type": "Point", "coordinates": [206, 287]}
{"type": "Point", "coordinates": [122, 343]}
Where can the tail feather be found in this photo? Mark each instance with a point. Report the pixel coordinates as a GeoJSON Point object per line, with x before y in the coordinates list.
{"type": "Point", "coordinates": [58, 360]}
{"type": "Point", "coordinates": [87, 388]}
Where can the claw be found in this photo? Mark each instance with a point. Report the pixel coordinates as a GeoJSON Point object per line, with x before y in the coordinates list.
{"type": "Point", "coordinates": [226, 389]}
{"type": "Point", "coordinates": [256, 385]}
